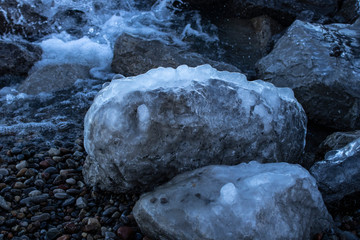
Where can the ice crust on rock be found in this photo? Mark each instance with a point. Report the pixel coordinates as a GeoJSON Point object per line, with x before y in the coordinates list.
{"type": "Point", "coordinates": [141, 131]}
{"type": "Point", "coordinates": [246, 201]}
{"type": "Point", "coordinates": [338, 175]}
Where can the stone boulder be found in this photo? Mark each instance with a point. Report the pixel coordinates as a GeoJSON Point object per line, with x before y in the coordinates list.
{"type": "Point", "coordinates": [134, 56]}
{"type": "Point", "coordinates": [20, 18]}
{"type": "Point", "coordinates": [51, 78]}
{"type": "Point", "coordinates": [338, 175]}
{"type": "Point", "coordinates": [285, 11]}
{"type": "Point", "coordinates": [16, 59]}
{"type": "Point", "coordinates": [321, 64]}
{"type": "Point", "coordinates": [246, 201]}
{"type": "Point", "coordinates": [142, 131]}
{"type": "Point", "coordinates": [338, 140]}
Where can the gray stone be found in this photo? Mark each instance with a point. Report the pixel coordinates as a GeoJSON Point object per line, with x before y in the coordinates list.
{"type": "Point", "coordinates": [246, 201]}
{"type": "Point", "coordinates": [51, 78]}
{"type": "Point", "coordinates": [61, 195]}
{"type": "Point", "coordinates": [3, 204]}
{"type": "Point", "coordinates": [144, 130]}
{"type": "Point", "coordinates": [53, 233]}
{"type": "Point", "coordinates": [34, 193]}
{"type": "Point", "coordinates": [321, 64]}
{"type": "Point", "coordinates": [21, 165]}
{"type": "Point", "coordinates": [134, 56]}
{"type": "Point", "coordinates": [41, 217]}
{"type": "Point", "coordinates": [81, 202]}
{"type": "Point", "coordinates": [338, 175]}
{"type": "Point", "coordinates": [4, 171]}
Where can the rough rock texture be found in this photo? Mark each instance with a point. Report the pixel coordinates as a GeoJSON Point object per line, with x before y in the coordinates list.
{"type": "Point", "coordinates": [51, 78]}
{"type": "Point", "coordinates": [16, 59]}
{"type": "Point", "coordinates": [142, 131]}
{"type": "Point", "coordinates": [247, 201]}
{"type": "Point", "coordinates": [250, 39]}
{"type": "Point", "coordinates": [349, 11]}
{"type": "Point", "coordinates": [134, 56]}
{"type": "Point", "coordinates": [71, 21]}
{"type": "Point", "coordinates": [321, 64]}
{"type": "Point", "coordinates": [284, 11]}
{"type": "Point", "coordinates": [19, 18]}
{"type": "Point", "coordinates": [338, 175]}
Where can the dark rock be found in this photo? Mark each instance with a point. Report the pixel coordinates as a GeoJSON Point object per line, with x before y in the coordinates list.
{"type": "Point", "coordinates": [150, 135]}
{"type": "Point", "coordinates": [246, 201]}
{"type": "Point", "coordinates": [41, 217]}
{"type": "Point", "coordinates": [126, 233]}
{"type": "Point", "coordinates": [285, 11]}
{"type": "Point", "coordinates": [19, 18]}
{"type": "Point", "coordinates": [320, 63]}
{"type": "Point", "coordinates": [338, 175]}
{"type": "Point", "coordinates": [71, 20]}
{"type": "Point", "coordinates": [68, 202]}
{"type": "Point", "coordinates": [92, 225]}
{"type": "Point", "coordinates": [16, 59]}
{"type": "Point", "coordinates": [109, 211]}
{"type": "Point", "coordinates": [349, 11]}
{"type": "Point", "coordinates": [51, 78]}
{"type": "Point", "coordinates": [3, 204]}
{"type": "Point", "coordinates": [250, 39]}
{"type": "Point", "coordinates": [134, 56]}
{"type": "Point", "coordinates": [53, 233]}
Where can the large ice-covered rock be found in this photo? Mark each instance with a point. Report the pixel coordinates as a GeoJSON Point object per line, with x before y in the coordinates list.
{"type": "Point", "coordinates": [246, 201]}
{"type": "Point", "coordinates": [338, 175]}
{"type": "Point", "coordinates": [144, 130]}
{"type": "Point", "coordinates": [321, 64]}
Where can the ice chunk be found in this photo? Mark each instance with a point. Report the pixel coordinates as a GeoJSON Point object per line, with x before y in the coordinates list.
{"type": "Point", "coordinates": [228, 194]}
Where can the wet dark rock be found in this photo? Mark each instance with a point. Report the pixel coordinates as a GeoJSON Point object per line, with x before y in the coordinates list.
{"type": "Point", "coordinates": [338, 140]}
{"type": "Point", "coordinates": [71, 20]}
{"type": "Point", "coordinates": [3, 204]}
{"type": "Point", "coordinates": [19, 18]}
{"type": "Point", "coordinates": [53, 233]}
{"type": "Point", "coordinates": [338, 175]}
{"type": "Point", "coordinates": [41, 217]}
{"type": "Point", "coordinates": [134, 56]}
{"type": "Point", "coordinates": [320, 63]}
{"type": "Point", "coordinates": [109, 211]}
{"type": "Point", "coordinates": [51, 78]}
{"type": "Point", "coordinates": [126, 233]}
{"type": "Point", "coordinates": [16, 59]}
{"type": "Point", "coordinates": [250, 39]}
{"type": "Point", "coordinates": [285, 11]}
{"type": "Point", "coordinates": [349, 11]}
{"type": "Point", "coordinates": [68, 202]}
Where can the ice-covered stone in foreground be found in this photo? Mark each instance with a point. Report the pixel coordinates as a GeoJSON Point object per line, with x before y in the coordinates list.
{"type": "Point", "coordinates": [142, 131]}
{"type": "Point", "coordinates": [339, 174]}
{"type": "Point", "coordinates": [246, 201]}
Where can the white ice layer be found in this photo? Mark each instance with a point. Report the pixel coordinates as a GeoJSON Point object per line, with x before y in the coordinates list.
{"type": "Point", "coordinates": [183, 77]}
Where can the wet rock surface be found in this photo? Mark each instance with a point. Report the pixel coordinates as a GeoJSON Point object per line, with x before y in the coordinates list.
{"type": "Point", "coordinates": [242, 201]}
{"type": "Point", "coordinates": [143, 131]}
{"type": "Point", "coordinates": [16, 59]}
{"type": "Point", "coordinates": [338, 175]}
{"type": "Point", "coordinates": [134, 56]}
{"type": "Point", "coordinates": [52, 78]}
{"type": "Point", "coordinates": [321, 64]}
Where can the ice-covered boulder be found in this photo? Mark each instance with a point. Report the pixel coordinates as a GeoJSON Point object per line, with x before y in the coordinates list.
{"type": "Point", "coordinates": [321, 64]}
{"type": "Point", "coordinates": [51, 78]}
{"type": "Point", "coordinates": [338, 140]}
{"type": "Point", "coordinates": [144, 130]}
{"type": "Point", "coordinates": [246, 201]}
{"type": "Point", "coordinates": [338, 175]}
{"type": "Point", "coordinates": [134, 56]}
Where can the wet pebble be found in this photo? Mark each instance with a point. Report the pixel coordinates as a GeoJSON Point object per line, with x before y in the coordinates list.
{"type": "Point", "coordinates": [41, 217]}
{"type": "Point", "coordinates": [21, 165]}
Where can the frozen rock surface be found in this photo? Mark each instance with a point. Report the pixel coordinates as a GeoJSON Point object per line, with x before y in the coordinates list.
{"type": "Point", "coordinates": [321, 64]}
{"type": "Point", "coordinates": [51, 78]}
{"type": "Point", "coordinates": [144, 130]}
{"type": "Point", "coordinates": [134, 56]}
{"type": "Point", "coordinates": [338, 175]}
{"type": "Point", "coordinates": [246, 201]}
